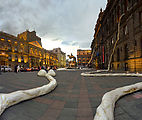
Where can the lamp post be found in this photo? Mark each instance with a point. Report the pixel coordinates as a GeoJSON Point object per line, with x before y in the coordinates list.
{"type": "Point", "coordinates": [118, 34]}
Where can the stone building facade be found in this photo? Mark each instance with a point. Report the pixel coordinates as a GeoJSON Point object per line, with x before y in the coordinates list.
{"type": "Point", "coordinates": [128, 52]}
{"type": "Point", "coordinates": [25, 50]}
{"type": "Point", "coordinates": [61, 57]}
{"type": "Point", "coordinates": [13, 51]}
{"type": "Point", "coordinates": [83, 57]}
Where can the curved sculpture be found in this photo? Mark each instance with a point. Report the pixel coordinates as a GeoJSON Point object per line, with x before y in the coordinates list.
{"type": "Point", "coordinates": [111, 74]}
{"type": "Point", "coordinates": [7, 100]}
{"type": "Point", "coordinates": [106, 108]}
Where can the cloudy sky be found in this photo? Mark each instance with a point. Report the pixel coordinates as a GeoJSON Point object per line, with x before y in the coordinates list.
{"type": "Point", "coordinates": [68, 24]}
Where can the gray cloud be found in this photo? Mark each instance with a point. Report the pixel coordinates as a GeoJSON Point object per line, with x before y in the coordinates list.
{"type": "Point", "coordinates": [67, 20]}
{"type": "Point", "coordinates": [72, 43]}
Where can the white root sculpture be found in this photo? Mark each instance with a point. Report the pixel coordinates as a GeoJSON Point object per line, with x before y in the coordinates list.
{"type": "Point", "coordinates": [7, 100]}
{"type": "Point", "coordinates": [106, 108]}
{"type": "Point", "coordinates": [111, 74]}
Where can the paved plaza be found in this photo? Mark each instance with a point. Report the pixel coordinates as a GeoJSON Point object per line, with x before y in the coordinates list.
{"type": "Point", "coordinates": [75, 98]}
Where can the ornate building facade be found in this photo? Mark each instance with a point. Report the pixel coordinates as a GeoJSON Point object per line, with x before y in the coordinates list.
{"type": "Point", "coordinates": [25, 50]}
{"type": "Point", "coordinates": [122, 20]}
{"type": "Point", "coordinates": [83, 57]}
{"type": "Point", "coordinates": [61, 57]}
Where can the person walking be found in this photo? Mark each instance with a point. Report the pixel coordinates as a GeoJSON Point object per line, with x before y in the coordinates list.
{"type": "Point", "coordinates": [4, 68]}
{"type": "Point", "coordinates": [18, 68]}
{"type": "Point", "coordinates": [15, 68]}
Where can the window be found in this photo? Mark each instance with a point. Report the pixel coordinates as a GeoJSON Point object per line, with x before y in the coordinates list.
{"type": "Point", "coordinates": [117, 66]}
{"type": "Point", "coordinates": [16, 58]}
{"type": "Point", "coordinates": [31, 50]}
{"type": "Point", "coordinates": [118, 55]}
{"type": "Point", "coordinates": [126, 52]}
{"type": "Point", "coordinates": [112, 58]}
{"type": "Point", "coordinates": [9, 58]}
{"type": "Point", "coordinates": [2, 39]}
{"type": "Point", "coordinates": [140, 17]}
{"type": "Point", "coordinates": [22, 59]}
{"type": "Point", "coordinates": [16, 49]}
{"type": "Point", "coordinates": [9, 47]}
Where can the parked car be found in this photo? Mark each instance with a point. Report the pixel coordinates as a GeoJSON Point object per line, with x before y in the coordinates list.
{"type": "Point", "coordinates": [28, 69]}
{"type": "Point", "coordinates": [34, 69]}
{"type": "Point", "coordinates": [6, 69]}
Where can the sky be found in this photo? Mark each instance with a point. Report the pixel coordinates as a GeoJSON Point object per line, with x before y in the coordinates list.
{"type": "Point", "coordinates": [68, 24]}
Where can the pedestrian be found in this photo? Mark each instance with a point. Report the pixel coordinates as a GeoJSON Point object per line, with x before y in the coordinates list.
{"type": "Point", "coordinates": [15, 68]}
{"type": "Point", "coordinates": [38, 68]}
{"type": "Point", "coordinates": [18, 68]}
{"type": "Point", "coordinates": [42, 67]}
{"type": "Point", "coordinates": [4, 68]}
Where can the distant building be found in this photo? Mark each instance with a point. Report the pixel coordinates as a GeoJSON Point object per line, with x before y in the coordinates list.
{"type": "Point", "coordinates": [61, 57]}
{"type": "Point", "coordinates": [83, 57]}
{"type": "Point", "coordinates": [128, 51]}
{"type": "Point", "coordinates": [25, 50]}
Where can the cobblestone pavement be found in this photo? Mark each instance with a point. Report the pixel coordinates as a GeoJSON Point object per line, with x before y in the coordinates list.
{"type": "Point", "coordinates": [75, 98]}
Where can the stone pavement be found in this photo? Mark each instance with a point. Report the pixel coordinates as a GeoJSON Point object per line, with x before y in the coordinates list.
{"type": "Point", "coordinates": [75, 98]}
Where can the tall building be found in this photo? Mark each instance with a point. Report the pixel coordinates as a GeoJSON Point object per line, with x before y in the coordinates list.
{"type": "Point", "coordinates": [25, 50]}
{"type": "Point", "coordinates": [122, 21]}
{"type": "Point", "coordinates": [61, 57]}
{"type": "Point", "coordinates": [83, 57]}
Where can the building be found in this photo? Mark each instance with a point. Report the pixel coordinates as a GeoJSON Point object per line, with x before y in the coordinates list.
{"type": "Point", "coordinates": [53, 59]}
{"type": "Point", "coordinates": [83, 57]}
{"type": "Point", "coordinates": [122, 21]}
{"type": "Point", "coordinates": [36, 54]}
{"type": "Point", "coordinates": [25, 50]}
{"type": "Point", "coordinates": [13, 51]}
{"type": "Point", "coordinates": [61, 57]}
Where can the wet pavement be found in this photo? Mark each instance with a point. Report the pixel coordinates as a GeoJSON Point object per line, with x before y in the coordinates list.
{"type": "Point", "coordinates": [75, 98]}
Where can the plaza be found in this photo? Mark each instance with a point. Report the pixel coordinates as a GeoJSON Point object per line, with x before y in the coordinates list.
{"type": "Point", "coordinates": [75, 97]}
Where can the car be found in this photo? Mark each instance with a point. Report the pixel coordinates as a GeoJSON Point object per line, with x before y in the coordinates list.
{"type": "Point", "coordinates": [28, 69]}
{"type": "Point", "coordinates": [6, 69]}
{"type": "Point", "coordinates": [34, 69]}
